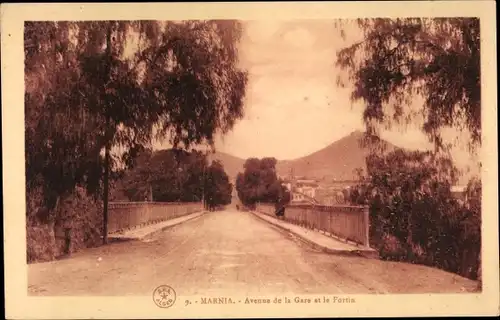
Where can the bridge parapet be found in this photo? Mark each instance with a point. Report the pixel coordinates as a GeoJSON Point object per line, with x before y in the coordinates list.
{"type": "Point", "coordinates": [350, 223]}
{"type": "Point", "coordinates": [128, 215]}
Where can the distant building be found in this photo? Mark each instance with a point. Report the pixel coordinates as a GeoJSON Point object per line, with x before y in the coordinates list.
{"type": "Point", "coordinates": [296, 197]}
{"type": "Point", "coordinates": [300, 198]}
{"type": "Point", "coordinates": [288, 186]}
{"type": "Point", "coordinates": [306, 187]}
{"type": "Point", "coordinates": [341, 184]}
{"type": "Point", "coordinates": [302, 191]}
{"type": "Point", "coordinates": [309, 191]}
{"type": "Point", "coordinates": [306, 182]}
{"type": "Point", "coordinates": [331, 196]}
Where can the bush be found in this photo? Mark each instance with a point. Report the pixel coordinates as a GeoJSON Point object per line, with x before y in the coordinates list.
{"type": "Point", "coordinates": [40, 243]}
{"type": "Point", "coordinates": [83, 215]}
{"type": "Point", "coordinates": [45, 229]}
{"type": "Point", "coordinates": [414, 216]}
{"type": "Point", "coordinates": [391, 248]}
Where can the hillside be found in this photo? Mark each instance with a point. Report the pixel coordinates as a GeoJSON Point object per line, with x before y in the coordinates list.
{"type": "Point", "coordinates": [232, 164]}
{"type": "Point", "coordinates": [336, 161]}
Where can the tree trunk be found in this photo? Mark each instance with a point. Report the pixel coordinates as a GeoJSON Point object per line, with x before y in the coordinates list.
{"type": "Point", "coordinates": [203, 200]}
{"type": "Point", "coordinates": [479, 270]}
{"type": "Point", "coordinates": [107, 146]}
{"type": "Point", "coordinates": [105, 195]}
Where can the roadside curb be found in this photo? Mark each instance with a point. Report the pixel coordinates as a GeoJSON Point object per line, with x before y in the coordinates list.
{"type": "Point", "coordinates": [370, 254]}
{"type": "Point", "coordinates": [120, 238]}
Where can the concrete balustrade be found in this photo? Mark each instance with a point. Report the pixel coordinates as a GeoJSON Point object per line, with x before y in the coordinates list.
{"type": "Point", "coordinates": [349, 223]}
{"type": "Point", "coordinates": [128, 215]}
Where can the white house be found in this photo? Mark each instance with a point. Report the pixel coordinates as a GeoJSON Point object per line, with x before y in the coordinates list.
{"type": "Point", "coordinates": [306, 187]}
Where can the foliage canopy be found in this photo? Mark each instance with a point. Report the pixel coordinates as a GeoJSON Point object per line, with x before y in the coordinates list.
{"type": "Point", "coordinates": [399, 59]}
{"type": "Point", "coordinates": [259, 183]}
{"type": "Point", "coordinates": [414, 215]}
{"type": "Point", "coordinates": [116, 85]}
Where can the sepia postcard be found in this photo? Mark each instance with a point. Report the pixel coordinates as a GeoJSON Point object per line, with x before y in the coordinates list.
{"type": "Point", "coordinates": [250, 160]}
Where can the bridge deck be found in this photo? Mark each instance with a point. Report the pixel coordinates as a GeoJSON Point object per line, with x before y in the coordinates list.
{"type": "Point", "coordinates": [146, 231]}
{"type": "Point", "coordinates": [318, 239]}
{"type": "Point", "coordinates": [229, 252]}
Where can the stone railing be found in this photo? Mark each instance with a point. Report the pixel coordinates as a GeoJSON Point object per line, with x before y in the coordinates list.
{"type": "Point", "coordinates": [349, 223]}
{"type": "Point", "coordinates": [128, 215]}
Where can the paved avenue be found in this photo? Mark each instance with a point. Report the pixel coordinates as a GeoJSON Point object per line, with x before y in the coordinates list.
{"type": "Point", "coordinates": [225, 253]}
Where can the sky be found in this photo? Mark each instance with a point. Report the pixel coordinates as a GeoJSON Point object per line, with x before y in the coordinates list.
{"type": "Point", "coordinates": [293, 106]}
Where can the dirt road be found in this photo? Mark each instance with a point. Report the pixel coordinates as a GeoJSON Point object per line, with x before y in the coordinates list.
{"type": "Point", "coordinates": [230, 252]}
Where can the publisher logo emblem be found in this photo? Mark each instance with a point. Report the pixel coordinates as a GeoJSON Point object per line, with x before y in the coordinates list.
{"type": "Point", "coordinates": [164, 296]}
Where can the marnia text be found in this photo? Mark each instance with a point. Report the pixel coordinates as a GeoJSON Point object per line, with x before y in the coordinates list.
{"type": "Point", "coordinates": [225, 300]}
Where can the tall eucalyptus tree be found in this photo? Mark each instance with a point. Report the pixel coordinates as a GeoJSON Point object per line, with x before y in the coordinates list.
{"type": "Point", "coordinates": [93, 87]}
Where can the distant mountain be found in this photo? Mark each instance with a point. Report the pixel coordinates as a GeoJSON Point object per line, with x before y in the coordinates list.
{"type": "Point", "coordinates": [337, 161]}
{"type": "Point", "coordinates": [232, 164]}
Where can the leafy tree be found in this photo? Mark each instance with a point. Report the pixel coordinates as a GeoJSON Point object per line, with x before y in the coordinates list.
{"type": "Point", "coordinates": [410, 199]}
{"type": "Point", "coordinates": [399, 59]}
{"type": "Point", "coordinates": [396, 62]}
{"type": "Point", "coordinates": [218, 189]}
{"type": "Point", "coordinates": [170, 175]}
{"type": "Point", "coordinates": [259, 183]}
{"type": "Point", "coordinates": [86, 97]}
